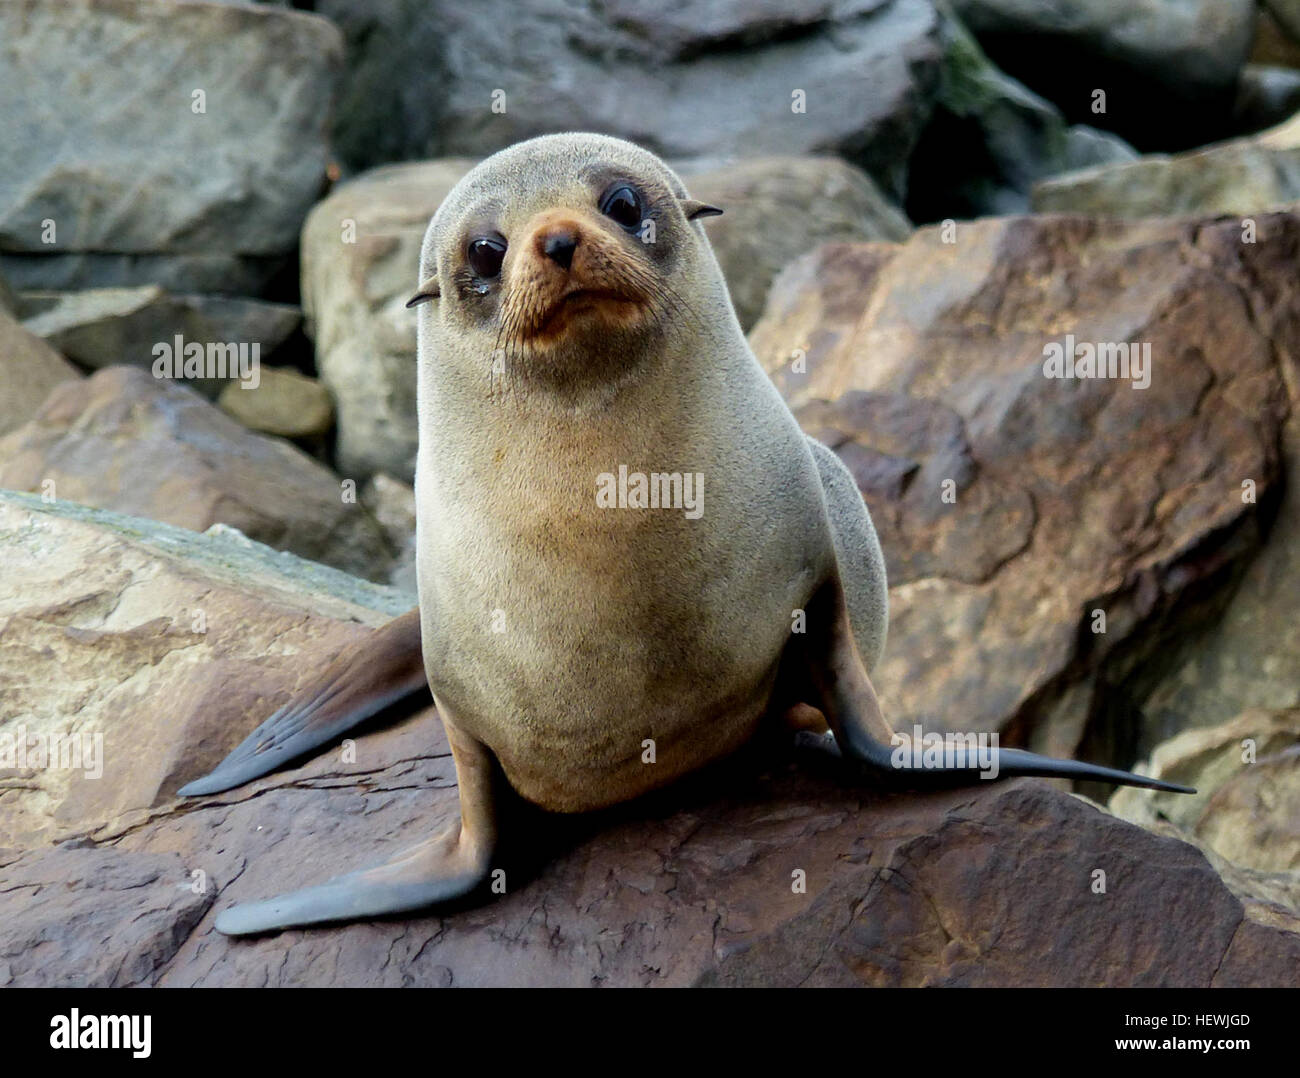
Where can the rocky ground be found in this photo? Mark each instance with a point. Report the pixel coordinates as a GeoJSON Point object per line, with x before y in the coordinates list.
{"type": "Point", "coordinates": [1114, 576]}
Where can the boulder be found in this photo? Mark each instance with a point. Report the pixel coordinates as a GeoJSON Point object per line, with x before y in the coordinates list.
{"type": "Point", "coordinates": [777, 208]}
{"type": "Point", "coordinates": [125, 441]}
{"type": "Point", "coordinates": [163, 643]}
{"type": "Point", "coordinates": [1267, 95]}
{"type": "Point", "coordinates": [1286, 13]}
{"type": "Point", "coordinates": [29, 371]}
{"type": "Point", "coordinates": [697, 79]}
{"type": "Point", "coordinates": [765, 870]}
{"type": "Point", "coordinates": [1240, 176]}
{"type": "Point", "coordinates": [284, 402]}
{"type": "Point", "coordinates": [1247, 776]}
{"type": "Point", "coordinates": [361, 251]}
{"type": "Point", "coordinates": [360, 264]}
{"type": "Point", "coordinates": [990, 137]}
{"type": "Point", "coordinates": [1168, 70]}
{"type": "Point", "coordinates": [1111, 518]}
{"type": "Point", "coordinates": [195, 129]}
{"type": "Point", "coordinates": [105, 327]}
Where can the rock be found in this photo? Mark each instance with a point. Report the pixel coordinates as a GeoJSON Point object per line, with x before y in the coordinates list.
{"type": "Point", "coordinates": [106, 327]}
{"type": "Point", "coordinates": [223, 158]}
{"type": "Point", "coordinates": [124, 441]}
{"type": "Point", "coordinates": [284, 402]}
{"type": "Point", "coordinates": [1249, 657]}
{"type": "Point", "coordinates": [1067, 501]}
{"type": "Point", "coordinates": [29, 371]}
{"type": "Point", "coordinates": [992, 885]}
{"type": "Point", "coordinates": [777, 208]}
{"type": "Point", "coordinates": [167, 645]}
{"type": "Point", "coordinates": [1241, 176]}
{"type": "Point", "coordinates": [130, 912]}
{"type": "Point", "coordinates": [697, 80]}
{"type": "Point", "coordinates": [1169, 70]}
{"type": "Point", "coordinates": [8, 301]}
{"type": "Point", "coordinates": [197, 273]}
{"type": "Point", "coordinates": [1266, 96]}
{"type": "Point", "coordinates": [360, 264]}
{"type": "Point", "coordinates": [1247, 776]}
{"type": "Point", "coordinates": [1272, 45]}
{"type": "Point", "coordinates": [393, 504]}
{"type": "Point", "coordinates": [1004, 136]}
{"type": "Point", "coordinates": [1286, 13]}
{"type": "Point", "coordinates": [361, 249]}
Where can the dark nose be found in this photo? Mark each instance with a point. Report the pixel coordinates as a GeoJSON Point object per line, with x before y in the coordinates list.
{"type": "Point", "coordinates": [559, 246]}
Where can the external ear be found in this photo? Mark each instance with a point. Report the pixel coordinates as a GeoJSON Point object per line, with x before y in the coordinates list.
{"type": "Point", "coordinates": [694, 209]}
{"type": "Point", "coordinates": [429, 289]}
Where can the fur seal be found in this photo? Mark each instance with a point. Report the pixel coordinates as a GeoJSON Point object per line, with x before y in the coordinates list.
{"type": "Point", "coordinates": [575, 327]}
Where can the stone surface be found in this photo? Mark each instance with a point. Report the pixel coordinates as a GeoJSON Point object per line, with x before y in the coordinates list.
{"type": "Point", "coordinates": [393, 504]}
{"type": "Point", "coordinates": [106, 327]}
{"type": "Point", "coordinates": [694, 79]}
{"type": "Point", "coordinates": [167, 644]}
{"type": "Point", "coordinates": [29, 371]}
{"type": "Point", "coordinates": [1066, 497]}
{"type": "Point", "coordinates": [125, 441]}
{"type": "Point", "coordinates": [123, 157]}
{"type": "Point", "coordinates": [361, 250]}
{"type": "Point", "coordinates": [991, 886]}
{"type": "Point", "coordinates": [1267, 96]}
{"type": "Point", "coordinates": [777, 208]}
{"type": "Point", "coordinates": [1169, 70]}
{"type": "Point", "coordinates": [1241, 176]}
{"type": "Point", "coordinates": [284, 402]}
{"type": "Point", "coordinates": [990, 137]}
{"type": "Point", "coordinates": [1247, 775]}
{"type": "Point", "coordinates": [360, 264]}
{"type": "Point", "coordinates": [130, 912]}
{"type": "Point", "coordinates": [1287, 15]}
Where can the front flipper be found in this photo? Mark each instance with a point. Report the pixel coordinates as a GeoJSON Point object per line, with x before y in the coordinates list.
{"type": "Point", "coordinates": [849, 702]}
{"type": "Point", "coordinates": [382, 669]}
{"type": "Point", "coordinates": [438, 869]}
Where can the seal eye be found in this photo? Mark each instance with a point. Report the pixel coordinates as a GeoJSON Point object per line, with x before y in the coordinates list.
{"type": "Point", "coordinates": [623, 205]}
{"type": "Point", "coordinates": [485, 255]}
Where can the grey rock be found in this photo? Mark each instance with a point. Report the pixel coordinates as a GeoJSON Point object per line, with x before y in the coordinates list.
{"type": "Point", "coordinates": [102, 98]}
{"type": "Point", "coordinates": [1241, 176]}
{"type": "Point", "coordinates": [698, 79]}
{"type": "Point", "coordinates": [1153, 59]}
{"type": "Point", "coordinates": [106, 327]}
{"type": "Point", "coordinates": [990, 138]}
{"type": "Point", "coordinates": [1267, 95]}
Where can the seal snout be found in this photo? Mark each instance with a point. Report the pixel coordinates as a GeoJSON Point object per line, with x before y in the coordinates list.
{"type": "Point", "coordinates": [558, 243]}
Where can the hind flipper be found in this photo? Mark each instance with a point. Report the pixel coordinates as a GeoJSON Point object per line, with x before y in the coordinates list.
{"type": "Point", "coordinates": [380, 670]}
{"type": "Point", "coordinates": [848, 700]}
{"type": "Point", "coordinates": [441, 868]}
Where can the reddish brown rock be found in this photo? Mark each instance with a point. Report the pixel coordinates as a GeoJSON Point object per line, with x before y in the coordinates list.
{"type": "Point", "coordinates": [125, 441]}
{"type": "Point", "coordinates": [1065, 497]}
{"type": "Point", "coordinates": [770, 869]}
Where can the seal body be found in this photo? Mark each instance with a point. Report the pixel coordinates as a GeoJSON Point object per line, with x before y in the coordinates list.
{"type": "Point", "coordinates": [563, 633]}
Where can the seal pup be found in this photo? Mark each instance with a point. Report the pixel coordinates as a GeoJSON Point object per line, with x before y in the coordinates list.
{"type": "Point", "coordinates": [574, 327]}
